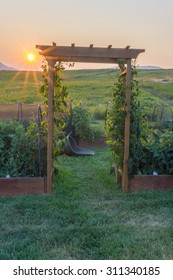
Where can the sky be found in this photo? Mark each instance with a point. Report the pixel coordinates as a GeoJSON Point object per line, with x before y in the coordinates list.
{"type": "Point", "coordinates": [145, 24]}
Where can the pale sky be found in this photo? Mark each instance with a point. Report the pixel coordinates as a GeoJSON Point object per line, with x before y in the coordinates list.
{"type": "Point", "coordinates": [145, 24]}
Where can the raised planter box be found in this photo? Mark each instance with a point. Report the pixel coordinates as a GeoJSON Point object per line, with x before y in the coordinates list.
{"type": "Point", "coordinates": [15, 186]}
{"type": "Point", "coordinates": [150, 182]}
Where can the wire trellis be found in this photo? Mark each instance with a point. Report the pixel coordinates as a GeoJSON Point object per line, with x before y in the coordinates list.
{"type": "Point", "coordinates": [162, 115]}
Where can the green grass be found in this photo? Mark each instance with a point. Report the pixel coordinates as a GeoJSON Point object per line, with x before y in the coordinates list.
{"type": "Point", "coordinates": [154, 90]}
{"type": "Point", "coordinates": [19, 87]}
{"type": "Point", "coordinates": [87, 217]}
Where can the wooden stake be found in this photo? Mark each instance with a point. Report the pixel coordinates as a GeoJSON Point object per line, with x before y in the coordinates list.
{"type": "Point", "coordinates": [50, 126]}
{"type": "Point", "coordinates": [125, 181]}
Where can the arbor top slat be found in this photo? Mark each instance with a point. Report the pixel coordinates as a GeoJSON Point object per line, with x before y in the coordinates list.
{"type": "Point", "coordinates": [88, 54]}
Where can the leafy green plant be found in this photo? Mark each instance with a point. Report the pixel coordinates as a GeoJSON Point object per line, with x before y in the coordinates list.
{"type": "Point", "coordinates": [99, 113]}
{"type": "Point", "coordinates": [19, 150]}
{"type": "Point", "coordinates": [81, 124]}
{"type": "Point", "coordinates": [60, 109]}
{"type": "Point", "coordinates": [115, 121]}
{"type": "Point", "coordinates": [157, 152]}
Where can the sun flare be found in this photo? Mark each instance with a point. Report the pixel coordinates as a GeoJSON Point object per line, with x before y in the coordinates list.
{"type": "Point", "coordinates": [30, 57]}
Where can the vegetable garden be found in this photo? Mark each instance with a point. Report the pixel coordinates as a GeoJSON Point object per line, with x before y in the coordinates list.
{"type": "Point", "coordinates": [150, 155]}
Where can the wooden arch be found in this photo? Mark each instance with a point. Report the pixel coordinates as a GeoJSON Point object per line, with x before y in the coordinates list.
{"type": "Point", "coordinates": [91, 54]}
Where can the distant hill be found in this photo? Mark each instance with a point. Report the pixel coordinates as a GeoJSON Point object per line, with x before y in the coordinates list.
{"type": "Point", "coordinates": [149, 67]}
{"type": "Point", "coordinates": [6, 68]}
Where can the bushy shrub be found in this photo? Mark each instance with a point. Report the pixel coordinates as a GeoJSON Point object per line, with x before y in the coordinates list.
{"type": "Point", "coordinates": [157, 152]}
{"type": "Point", "coordinates": [99, 114]}
{"type": "Point", "coordinates": [19, 150]}
{"type": "Point", "coordinates": [81, 124]}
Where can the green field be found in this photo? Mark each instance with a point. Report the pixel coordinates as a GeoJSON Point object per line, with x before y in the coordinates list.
{"type": "Point", "coordinates": [87, 216]}
{"type": "Point", "coordinates": [92, 87]}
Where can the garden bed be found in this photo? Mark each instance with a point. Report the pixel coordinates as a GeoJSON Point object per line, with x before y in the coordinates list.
{"type": "Point", "coordinates": [16, 186]}
{"type": "Point", "coordinates": [150, 182]}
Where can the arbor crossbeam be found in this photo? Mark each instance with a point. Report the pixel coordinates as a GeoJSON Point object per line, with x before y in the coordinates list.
{"type": "Point", "coordinates": [88, 54]}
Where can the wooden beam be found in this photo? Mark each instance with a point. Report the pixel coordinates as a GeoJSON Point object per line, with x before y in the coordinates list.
{"type": "Point", "coordinates": [150, 182]}
{"type": "Point", "coordinates": [22, 185]}
{"type": "Point", "coordinates": [125, 181]}
{"type": "Point", "coordinates": [83, 59]}
{"type": "Point", "coordinates": [88, 54]}
{"type": "Point", "coordinates": [50, 126]}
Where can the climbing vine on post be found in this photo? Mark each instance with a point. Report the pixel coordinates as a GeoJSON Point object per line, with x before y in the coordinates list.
{"type": "Point", "coordinates": [115, 121]}
{"type": "Point", "coordinates": [60, 109]}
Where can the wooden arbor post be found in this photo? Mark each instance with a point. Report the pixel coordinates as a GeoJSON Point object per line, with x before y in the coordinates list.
{"type": "Point", "coordinates": [50, 125]}
{"type": "Point", "coordinates": [125, 181]}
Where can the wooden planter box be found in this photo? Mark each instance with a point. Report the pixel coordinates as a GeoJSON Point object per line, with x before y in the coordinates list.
{"type": "Point", "coordinates": [15, 186]}
{"type": "Point", "coordinates": [150, 182]}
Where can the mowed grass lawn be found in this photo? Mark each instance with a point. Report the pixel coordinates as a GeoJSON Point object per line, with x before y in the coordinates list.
{"type": "Point", "coordinates": [87, 217]}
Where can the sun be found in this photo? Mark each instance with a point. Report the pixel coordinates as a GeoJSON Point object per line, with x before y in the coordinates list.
{"type": "Point", "coordinates": [30, 57]}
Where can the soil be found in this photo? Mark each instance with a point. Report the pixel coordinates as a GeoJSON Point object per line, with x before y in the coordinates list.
{"type": "Point", "coordinates": [96, 143]}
